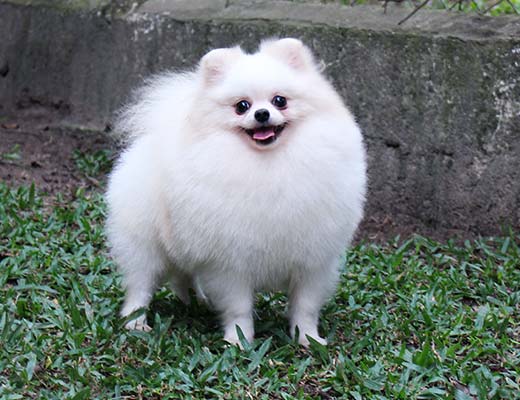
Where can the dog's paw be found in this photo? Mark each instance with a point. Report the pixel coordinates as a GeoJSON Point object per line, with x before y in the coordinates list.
{"type": "Point", "coordinates": [305, 331]}
{"type": "Point", "coordinates": [138, 325]}
{"type": "Point", "coordinates": [234, 341]}
{"type": "Point", "coordinates": [305, 342]}
{"type": "Point", "coordinates": [233, 338]}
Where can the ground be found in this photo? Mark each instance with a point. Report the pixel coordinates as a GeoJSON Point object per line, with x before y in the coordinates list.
{"type": "Point", "coordinates": [410, 319]}
{"type": "Point", "coordinates": [32, 152]}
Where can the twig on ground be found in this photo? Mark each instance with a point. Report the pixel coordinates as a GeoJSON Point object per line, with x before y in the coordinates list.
{"type": "Point", "coordinates": [458, 2]}
{"type": "Point", "coordinates": [517, 12]}
{"type": "Point", "coordinates": [413, 12]}
{"type": "Point", "coordinates": [477, 6]}
{"type": "Point", "coordinates": [491, 6]}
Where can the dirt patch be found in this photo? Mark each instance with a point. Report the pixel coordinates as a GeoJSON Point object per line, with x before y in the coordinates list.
{"type": "Point", "coordinates": [45, 154]}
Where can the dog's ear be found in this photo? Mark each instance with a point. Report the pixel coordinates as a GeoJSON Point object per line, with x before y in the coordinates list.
{"type": "Point", "coordinates": [214, 64]}
{"type": "Point", "coordinates": [290, 50]}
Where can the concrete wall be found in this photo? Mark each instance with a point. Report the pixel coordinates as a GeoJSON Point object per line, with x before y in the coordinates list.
{"type": "Point", "coordinates": [438, 98]}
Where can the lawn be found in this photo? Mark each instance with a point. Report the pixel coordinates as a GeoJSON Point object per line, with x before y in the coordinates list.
{"type": "Point", "coordinates": [411, 319]}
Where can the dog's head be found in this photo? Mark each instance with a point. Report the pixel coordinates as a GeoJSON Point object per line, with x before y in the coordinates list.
{"type": "Point", "coordinates": [261, 96]}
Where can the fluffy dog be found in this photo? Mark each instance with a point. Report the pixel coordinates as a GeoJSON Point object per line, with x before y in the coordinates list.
{"type": "Point", "coordinates": [245, 174]}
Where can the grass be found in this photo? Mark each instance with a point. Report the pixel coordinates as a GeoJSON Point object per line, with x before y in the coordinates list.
{"type": "Point", "coordinates": [95, 163]}
{"type": "Point", "coordinates": [484, 7]}
{"type": "Point", "coordinates": [413, 319]}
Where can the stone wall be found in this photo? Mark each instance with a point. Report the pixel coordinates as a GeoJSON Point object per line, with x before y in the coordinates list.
{"type": "Point", "coordinates": [438, 98]}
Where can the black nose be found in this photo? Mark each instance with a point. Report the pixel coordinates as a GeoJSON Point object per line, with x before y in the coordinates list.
{"type": "Point", "coordinates": [262, 115]}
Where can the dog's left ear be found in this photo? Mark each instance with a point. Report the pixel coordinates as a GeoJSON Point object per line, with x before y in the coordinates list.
{"type": "Point", "coordinates": [292, 51]}
{"type": "Point", "coordinates": [213, 65]}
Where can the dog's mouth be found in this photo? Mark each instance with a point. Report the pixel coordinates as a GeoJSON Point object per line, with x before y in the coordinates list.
{"type": "Point", "coordinates": [265, 135]}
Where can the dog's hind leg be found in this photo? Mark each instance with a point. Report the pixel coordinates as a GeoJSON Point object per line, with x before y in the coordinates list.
{"type": "Point", "coordinates": [142, 265]}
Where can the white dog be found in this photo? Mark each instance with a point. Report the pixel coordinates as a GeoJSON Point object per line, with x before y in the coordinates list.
{"type": "Point", "coordinates": [246, 174]}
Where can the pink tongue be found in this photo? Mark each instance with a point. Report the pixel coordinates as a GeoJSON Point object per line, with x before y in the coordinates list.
{"type": "Point", "coordinates": [263, 135]}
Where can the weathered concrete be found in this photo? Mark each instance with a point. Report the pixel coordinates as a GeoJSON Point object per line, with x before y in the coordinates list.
{"type": "Point", "coordinates": [438, 98]}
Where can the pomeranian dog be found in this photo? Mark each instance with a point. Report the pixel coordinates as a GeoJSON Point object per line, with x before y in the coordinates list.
{"type": "Point", "coordinates": [245, 174]}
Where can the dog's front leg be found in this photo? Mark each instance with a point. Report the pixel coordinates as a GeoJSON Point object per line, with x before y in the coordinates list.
{"type": "Point", "coordinates": [232, 296]}
{"type": "Point", "coordinates": [308, 292]}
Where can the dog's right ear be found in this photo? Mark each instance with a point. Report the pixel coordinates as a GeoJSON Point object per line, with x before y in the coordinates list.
{"type": "Point", "coordinates": [214, 64]}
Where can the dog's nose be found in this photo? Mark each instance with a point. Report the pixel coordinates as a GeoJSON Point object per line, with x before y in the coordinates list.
{"type": "Point", "coordinates": [262, 115]}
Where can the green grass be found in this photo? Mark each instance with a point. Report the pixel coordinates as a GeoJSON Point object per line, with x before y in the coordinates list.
{"type": "Point", "coordinates": [411, 320]}
{"type": "Point", "coordinates": [12, 155]}
{"type": "Point", "coordinates": [485, 7]}
{"type": "Point", "coordinates": [95, 163]}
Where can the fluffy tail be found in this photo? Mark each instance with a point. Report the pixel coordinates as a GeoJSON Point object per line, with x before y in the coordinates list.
{"type": "Point", "coordinates": [153, 105]}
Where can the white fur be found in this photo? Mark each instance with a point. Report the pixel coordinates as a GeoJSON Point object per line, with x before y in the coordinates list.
{"type": "Point", "coordinates": [194, 201]}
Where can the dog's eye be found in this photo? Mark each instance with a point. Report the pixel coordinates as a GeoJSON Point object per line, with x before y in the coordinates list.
{"type": "Point", "coordinates": [279, 101]}
{"type": "Point", "coordinates": [242, 106]}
